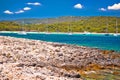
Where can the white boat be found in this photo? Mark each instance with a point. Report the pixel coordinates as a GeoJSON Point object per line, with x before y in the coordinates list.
{"type": "Point", "coordinates": [107, 34]}
{"type": "Point", "coordinates": [116, 29]}
{"type": "Point", "coordinates": [115, 34]}
{"type": "Point", "coordinates": [85, 32]}
{"type": "Point", "coordinates": [69, 33]}
{"type": "Point", "coordinates": [69, 27]}
{"type": "Point", "coordinates": [47, 32]}
{"type": "Point", "coordinates": [46, 27]}
{"type": "Point", "coordinates": [22, 33]}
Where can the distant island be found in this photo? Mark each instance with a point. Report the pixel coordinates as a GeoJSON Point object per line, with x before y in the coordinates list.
{"type": "Point", "coordinates": [98, 24]}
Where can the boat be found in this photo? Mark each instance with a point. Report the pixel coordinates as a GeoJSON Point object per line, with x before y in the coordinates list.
{"type": "Point", "coordinates": [46, 27]}
{"type": "Point", "coordinates": [22, 32]}
{"type": "Point", "coordinates": [116, 29]}
{"type": "Point", "coordinates": [86, 32]}
{"type": "Point", "coordinates": [69, 33]}
{"type": "Point", "coordinates": [115, 34]}
{"type": "Point", "coordinates": [47, 32]}
{"type": "Point", "coordinates": [69, 28]}
{"type": "Point", "coordinates": [107, 34]}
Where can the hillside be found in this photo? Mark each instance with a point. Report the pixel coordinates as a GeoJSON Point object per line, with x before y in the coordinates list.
{"type": "Point", "coordinates": [49, 20]}
{"type": "Point", "coordinates": [64, 24]}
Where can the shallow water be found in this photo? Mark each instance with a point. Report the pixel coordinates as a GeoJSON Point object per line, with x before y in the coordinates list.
{"type": "Point", "coordinates": [91, 40]}
{"type": "Point", "coordinates": [113, 74]}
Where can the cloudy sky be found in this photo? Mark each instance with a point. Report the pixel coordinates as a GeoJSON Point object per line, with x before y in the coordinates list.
{"type": "Point", "coordinates": [13, 9]}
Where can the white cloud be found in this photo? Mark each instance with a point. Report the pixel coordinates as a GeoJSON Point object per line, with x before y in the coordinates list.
{"type": "Point", "coordinates": [8, 12]}
{"type": "Point", "coordinates": [35, 4]}
{"type": "Point", "coordinates": [17, 12]}
{"type": "Point", "coordinates": [114, 7]}
{"type": "Point", "coordinates": [78, 6]}
{"type": "Point", "coordinates": [20, 11]}
{"type": "Point", "coordinates": [26, 8]}
{"type": "Point", "coordinates": [102, 9]}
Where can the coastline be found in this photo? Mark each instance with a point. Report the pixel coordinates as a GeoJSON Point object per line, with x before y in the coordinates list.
{"type": "Point", "coordinates": [85, 35]}
{"type": "Point", "coordinates": [57, 32]}
{"type": "Point", "coordinates": [33, 59]}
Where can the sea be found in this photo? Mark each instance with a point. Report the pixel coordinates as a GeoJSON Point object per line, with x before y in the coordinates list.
{"type": "Point", "coordinates": [100, 41]}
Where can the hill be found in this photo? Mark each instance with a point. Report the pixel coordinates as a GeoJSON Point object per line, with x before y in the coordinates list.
{"type": "Point", "coordinates": [100, 24]}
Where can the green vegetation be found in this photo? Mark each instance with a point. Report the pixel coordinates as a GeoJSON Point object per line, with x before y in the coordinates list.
{"type": "Point", "coordinates": [64, 24]}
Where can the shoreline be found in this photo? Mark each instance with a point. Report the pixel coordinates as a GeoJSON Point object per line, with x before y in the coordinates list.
{"type": "Point", "coordinates": [34, 59]}
{"type": "Point", "coordinates": [59, 32]}
{"type": "Point", "coordinates": [54, 33]}
{"type": "Point", "coordinates": [97, 48]}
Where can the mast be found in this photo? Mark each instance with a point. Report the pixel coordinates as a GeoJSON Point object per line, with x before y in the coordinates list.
{"type": "Point", "coordinates": [107, 26]}
{"type": "Point", "coordinates": [57, 24]}
{"type": "Point", "coordinates": [23, 25]}
{"type": "Point", "coordinates": [46, 27]}
{"type": "Point", "coordinates": [22, 29]}
{"type": "Point", "coordinates": [116, 29]}
{"type": "Point", "coordinates": [116, 26]}
{"type": "Point", "coordinates": [70, 30]}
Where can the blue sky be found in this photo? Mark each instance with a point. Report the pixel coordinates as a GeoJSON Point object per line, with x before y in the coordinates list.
{"type": "Point", "coordinates": [14, 9]}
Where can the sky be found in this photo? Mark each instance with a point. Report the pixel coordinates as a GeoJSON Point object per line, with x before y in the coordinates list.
{"type": "Point", "coordinates": [16, 9]}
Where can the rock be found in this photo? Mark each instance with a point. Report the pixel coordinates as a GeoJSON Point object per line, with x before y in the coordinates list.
{"type": "Point", "coordinates": [40, 64]}
{"type": "Point", "coordinates": [20, 65]}
{"type": "Point", "coordinates": [72, 75]}
{"type": "Point", "coordinates": [76, 76]}
{"type": "Point", "coordinates": [60, 54]}
{"type": "Point", "coordinates": [1, 62]}
{"type": "Point", "coordinates": [32, 59]}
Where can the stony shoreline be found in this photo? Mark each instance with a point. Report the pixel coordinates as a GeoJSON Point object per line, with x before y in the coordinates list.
{"type": "Point", "coordinates": [38, 60]}
{"type": "Point", "coordinates": [57, 32]}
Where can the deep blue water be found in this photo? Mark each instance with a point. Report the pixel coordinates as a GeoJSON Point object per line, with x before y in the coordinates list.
{"type": "Point", "coordinates": [91, 40]}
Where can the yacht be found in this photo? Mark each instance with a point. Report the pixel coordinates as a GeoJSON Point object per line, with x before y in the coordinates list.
{"type": "Point", "coordinates": [22, 32]}
{"type": "Point", "coordinates": [115, 34]}
{"type": "Point", "coordinates": [69, 33]}
{"type": "Point", "coordinates": [46, 27]}
{"type": "Point", "coordinates": [116, 29]}
{"type": "Point", "coordinates": [69, 28]}
{"type": "Point", "coordinates": [107, 34]}
{"type": "Point", "coordinates": [86, 32]}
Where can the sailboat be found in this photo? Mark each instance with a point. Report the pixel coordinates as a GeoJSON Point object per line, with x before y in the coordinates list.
{"type": "Point", "coordinates": [69, 33]}
{"type": "Point", "coordinates": [86, 32]}
{"type": "Point", "coordinates": [58, 20]}
{"type": "Point", "coordinates": [46, 30]}
{"type": "Point", "coordinates": [69, 28]}
{"type": "Point", "coordinates": [46, 27]}
{"type": "Point", "coordinates": [107, 34]}
{"type": "Point", "coordinates": [116, 29]}
{"type": "Point", "coordinates": [22, 32]}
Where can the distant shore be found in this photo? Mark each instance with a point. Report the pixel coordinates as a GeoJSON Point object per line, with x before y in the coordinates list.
{"type": "Point", "coordinates": [58, 32]}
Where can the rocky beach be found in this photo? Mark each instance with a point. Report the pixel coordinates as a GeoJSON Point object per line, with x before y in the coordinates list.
{"type": "Point", "coordinates": [24, 59]}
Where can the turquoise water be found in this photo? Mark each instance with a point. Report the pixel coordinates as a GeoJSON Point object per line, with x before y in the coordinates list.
{"type": "Point", "coordinates": [91, 40]}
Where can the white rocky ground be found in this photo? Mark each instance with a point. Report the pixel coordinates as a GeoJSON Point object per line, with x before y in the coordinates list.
{"type": "Point", "coordinates": [23, 59]}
